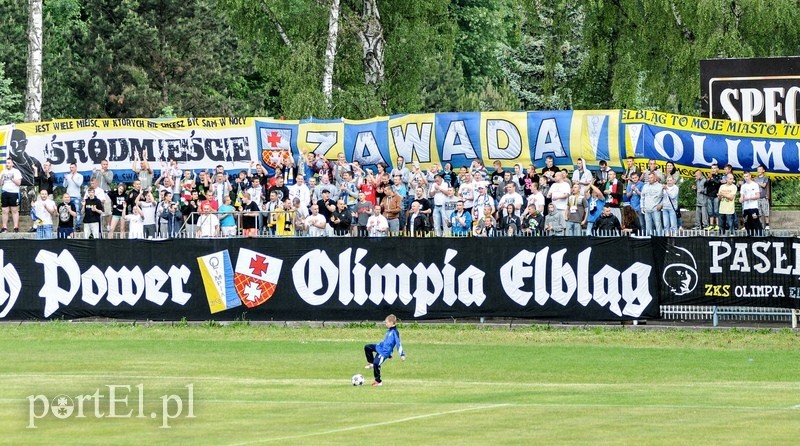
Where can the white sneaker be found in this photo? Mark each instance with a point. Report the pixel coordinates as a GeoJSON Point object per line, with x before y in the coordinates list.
{"type": "Point", "coordinates": [368, 366]}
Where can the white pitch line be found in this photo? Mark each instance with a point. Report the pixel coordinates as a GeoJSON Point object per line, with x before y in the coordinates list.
{"type": "Point", "coordinates": [367, 426]}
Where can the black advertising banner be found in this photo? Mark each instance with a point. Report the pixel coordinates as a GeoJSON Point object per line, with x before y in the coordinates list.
{"type": "Point", "coordinates": [561, 278]}
{"type": "Point", "coordinates": [742, 271]}
{"type": "Point", "coordinates": [751, 90]}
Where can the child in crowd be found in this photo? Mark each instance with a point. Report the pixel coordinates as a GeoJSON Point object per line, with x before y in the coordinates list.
{"type": "Point", "coordinates": [384, 349]}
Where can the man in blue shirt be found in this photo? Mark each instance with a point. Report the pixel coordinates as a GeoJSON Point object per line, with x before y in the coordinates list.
{"type": "Point", "coordinates": [634, 193]}
{"type": "Point", "coordinates": [460, 221]}
{"type": "Point", "coordinates": [384, 349]}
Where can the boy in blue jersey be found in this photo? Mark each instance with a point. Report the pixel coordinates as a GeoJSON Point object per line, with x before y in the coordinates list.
{"type": "Point", "coordinates": [384, 349]}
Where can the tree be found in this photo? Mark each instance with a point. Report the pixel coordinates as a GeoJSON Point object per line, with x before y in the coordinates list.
{"type": "Point", "coordinates": [10, 102]}
{"type": "Point", "coordinates": [543, 68]}
{"type": "Point", "coordinates": [33, 92]}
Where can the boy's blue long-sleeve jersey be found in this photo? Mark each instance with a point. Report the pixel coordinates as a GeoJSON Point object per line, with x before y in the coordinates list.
{"type": "Point", "coordinates": [391, 340]}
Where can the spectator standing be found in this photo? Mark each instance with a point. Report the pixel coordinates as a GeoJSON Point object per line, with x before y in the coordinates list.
{"type": "Point", "coordinates": [581, 175]}
{"type": "Point", "coordinates": [438, 191]}
{"type": "Point", "coordinates": [117, 197]}
{"type": "Point", "coordinates": [144, 173]}
{"type": "Point", "coordinates": [727, 204]}
{"type": "Point", "coordinates": [765, 194]}
{"type": "Point", "coordinates": [749, 198]}
{"type": "Point", "coordinates": [66, 217]}
{"type": "Point", "coordinates": [207, 223]}
{"type": "Point", "coordinates": [315, 224]}
{"type": "Point", "coordinates": [377, 225]}
{"type": "Point", "coordinates": [713, 183]}
{"type": "Point", "coordinates": [362, 211]}
{"type": "Point", "coordinates": [227, 219]}
{"type": "Point", "coordinates": [652, 193]}
{"type": "Point", "coordinates": [172, 215]}
{"type": "Point", "coordinates": [250, 215]}
{"type": "Point", "coordinates": [559, 191]}
{"type": "Point", "coordinates": [613, 191]}
{"type": "Point", "coordinates": [633, 190]}
{"type": "Point", "coordinates": [103, 176]}
{"type": "Point", "coordinates": [669, 207]}
{"type": "Point", "coordinates": [73, 181]}
{"type": "Point", "coordinates": [340, 219]}
{"type": "Point", "coordinates": [392, 206]}
{"type": "Point", "coordinates": [44, 179]}
{"type": "Point", "coordinates": [460, 221]}
{"type": "Point", "coordinates": [554, 223]}
{"type": "Point", "coordinates": [93, 211]}
{"type": "Point", "coordinates": [607, 224]}
{"type": "Point", "coordinates": [532, 221]}
{"type": "Point", "coordinates": [597, 202]}
{"type": "Point", "coordinates": [148, 208]}
{"type": "Point", "coordinates": [701, 200]}
{"type": "Point", "coordinates": [576, 212]}
{"type": "Point", "coordinates": [44, 209]}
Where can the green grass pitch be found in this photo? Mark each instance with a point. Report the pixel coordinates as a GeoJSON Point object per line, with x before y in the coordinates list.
{"type": "Point", "coordinates": [461, 384]}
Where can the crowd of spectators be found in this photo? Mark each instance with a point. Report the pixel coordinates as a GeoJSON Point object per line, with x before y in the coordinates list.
{"type": "Point", "coordinates": [319, 197]}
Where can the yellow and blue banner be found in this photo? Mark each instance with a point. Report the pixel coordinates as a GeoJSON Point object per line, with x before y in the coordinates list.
{"type": "Point", "coordinates": [217, 272]}
{"type": "Point", "coordinates": [695, 143]}
{"type": "Point", "coordinates": [5, 133]}
{"type": "Point", "coordinates": [458, 138]}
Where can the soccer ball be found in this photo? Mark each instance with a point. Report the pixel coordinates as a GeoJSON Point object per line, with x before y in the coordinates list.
{"type": "Point", "coordinates": [358, 380]}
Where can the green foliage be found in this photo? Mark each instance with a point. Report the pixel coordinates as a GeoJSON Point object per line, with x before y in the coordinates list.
{"type": "Point", "coordinates": [786, 193]}
{"type": "Point", "coordinates": [485, 26]}
{"type": "Point", "coordinates": [10, 102]}
{"type": "Point", "coordinates": [542, 70]}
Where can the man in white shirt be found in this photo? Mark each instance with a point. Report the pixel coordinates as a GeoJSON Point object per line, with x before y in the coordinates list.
{"type": "Point", "coordinates": [582, 176]}
{"type": "Point", "coordinates": [12, 179]}
{"type": "Point", "coordinates": [536, 198]}
{"type": "Point", "coordinates": [300, 190]}
{"type": "Point", "coordinates": [207, 223]}
{"type": "Point", "coordinates": [749, 195]}
{"type": "Point", "coordinates": [559, 192]}
{"type": "Point", "coordinates": [315, 223]}
{"type": "Point", "coordinates": [44, 208]}
{"type": "Point", "coordinates": [511, 197]}
{"type": "Point", "coordinates": [377, 225]}
{"type": "Point", "coordinates": [438, 191]}
{"type": "Point", "coordinates": [220, 188]}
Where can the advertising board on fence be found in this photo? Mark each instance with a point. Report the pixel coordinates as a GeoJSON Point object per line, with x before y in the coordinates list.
{"type": "Point", "coordinates": [554, 278]}
{"type": "Point", "coordinates": [765, 89]}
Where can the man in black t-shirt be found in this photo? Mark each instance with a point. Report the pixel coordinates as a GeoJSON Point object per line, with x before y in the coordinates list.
{"type": "Point", "coordinates": [66, 217]}
{"type": "Point", "coordinates": [92, 211]}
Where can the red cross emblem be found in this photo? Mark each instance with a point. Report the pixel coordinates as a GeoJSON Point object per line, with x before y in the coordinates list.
{"type": "Point", "coordinates": [274, 139]}
{"type": "Point", "coordinates": [258, 265]}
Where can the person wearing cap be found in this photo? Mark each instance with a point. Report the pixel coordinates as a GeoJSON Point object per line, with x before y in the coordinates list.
{"type": "Point", "coordinates": [438, 191]}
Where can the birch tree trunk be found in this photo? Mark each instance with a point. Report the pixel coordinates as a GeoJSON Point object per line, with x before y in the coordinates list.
{"type": "Point", "coordinates": [33, 91]}
{"type": "Point", "coordinates": [274, 19]}
{"type": "Point", "coordinates": [330, 52]}
{"type": "Point", "coordinates": [372, 43]}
